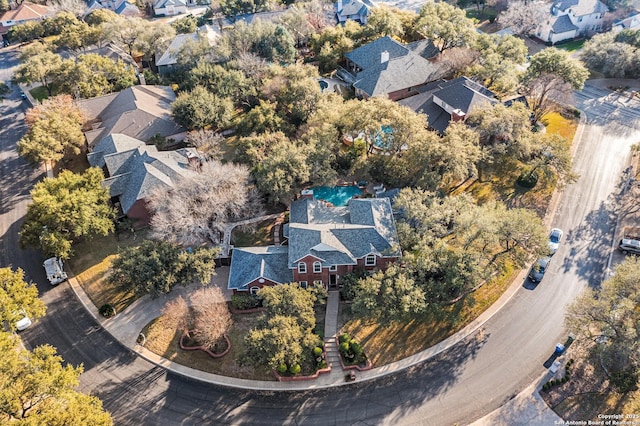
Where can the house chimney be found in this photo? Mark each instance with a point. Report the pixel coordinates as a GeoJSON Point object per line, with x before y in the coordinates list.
{"type": "Point", "coordinates": [306, 193]}
{"type": "Point", "coordinates": [457, 115]}
{"type": "Point", "coordinates": [339, 6]}
{"type": "Point", "coordinates": [384, 57]}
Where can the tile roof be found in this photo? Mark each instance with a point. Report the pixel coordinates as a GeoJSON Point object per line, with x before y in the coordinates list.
{"type": "Point", "coordinates": [424, 48]}
{"type": "Point", "coordinates": [161, 4]}
{"type": "Point", "coordinates": [368, 55]}
{"type": "Point", "coordinates": [139, 111]}
{"type": "Point", "coordinates": [27, 11]}
{"type": "Point", "coordinates": [135, 169]}
{"type": "Point", "coordinates": [252, 263]}
{"type": "Point", "coordinates": [348, 8]}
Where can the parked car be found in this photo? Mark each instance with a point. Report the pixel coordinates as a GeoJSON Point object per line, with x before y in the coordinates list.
{"type": "Point", "coordinates": [554, 240]}
{"type": "Point", "coordinates": [538, 269]}
{"type": "Point", "coordinates": [24, 322]}
{"type": "Point", "coordinates": [53, 268]}
{"type": "Point", "coordinates": [629, 246]}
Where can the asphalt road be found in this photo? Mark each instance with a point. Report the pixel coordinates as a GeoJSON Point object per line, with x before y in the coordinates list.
{"type": "Point", "coordinates": [460, 385]}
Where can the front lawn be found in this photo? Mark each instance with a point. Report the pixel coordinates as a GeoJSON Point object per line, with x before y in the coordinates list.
{"type": "Point", "coordinates": [571, 46]}
{"type": "Point", "coordinates": [91, 263]}
{"type": "Point", "coordinates": [163, 339]}
{"type": "Point", "coordinates": [392, 342]}
{"type": "Point", "coordinates": [39, 93]}
{"type": "Point", "coordinates": [556, 123]}
{"type": "Point", "coordinates": [486, 14]}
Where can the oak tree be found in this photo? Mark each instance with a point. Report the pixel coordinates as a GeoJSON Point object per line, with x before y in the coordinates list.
{"type": "Point", "coordinates": [66, 209]}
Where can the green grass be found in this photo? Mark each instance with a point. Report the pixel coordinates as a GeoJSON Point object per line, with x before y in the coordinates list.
{"type": "Point", "coordinates": [572, 45]}
{"type": "Point", "coordinates": [488, 14]}
{"type": "Point", "coordinates": [39, 93]}
{"type": "Point", "coordinates": [91, 264]}
{"type": "Point", "coordinates": [260, 235]}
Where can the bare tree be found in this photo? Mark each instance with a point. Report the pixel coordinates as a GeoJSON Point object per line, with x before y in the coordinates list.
{"type": "Point", "coordinates": [77, 7]}
{"type": "Point", "coordinates": [197, 210]}
{"type": "Point", "coordinates": [524, 16]}
{"type": "Point", "coordinates": [207, 142]}
{"type": "Point", "coordinates": [211, 314]}
{"type": "Point", "coordinates": [177, 312]}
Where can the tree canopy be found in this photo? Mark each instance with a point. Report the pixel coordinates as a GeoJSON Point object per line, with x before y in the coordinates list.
{"type": "Point", "coordinates": [18, 298]}
{"type": "Point", "coordinates": [551, 76]}
{"type": "Point", "coordinates": [446, 25]}
{"type": "Point", "coordinates": [155, 267]}
{"type": "Point", "coordinates": [199, 109]}
{"type": "Point", "coordinates": [606, 321]}
{"type": "Point", "coordinates": [53, 128]}
{"type": "Point", "coordinates": [66, 209]}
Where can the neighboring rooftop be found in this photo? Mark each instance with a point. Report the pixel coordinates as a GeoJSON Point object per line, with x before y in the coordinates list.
{"type": "Point", "coordinates": [26, 11]}
{"type": "Point", "coordinates": [135, 169]}
{"type": "Point", "coordinates": [440, 100]}
{"type": "Point", "coordinates": [141, 112]}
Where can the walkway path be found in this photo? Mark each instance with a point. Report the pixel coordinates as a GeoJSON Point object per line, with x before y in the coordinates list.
{"type": "Point", "coordinates": [226, 239]}
{"type": "Point", "coordinates": [330, 333]}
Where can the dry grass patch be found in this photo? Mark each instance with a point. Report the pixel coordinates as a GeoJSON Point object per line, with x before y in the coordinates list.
{"type": "Point", "coordinates": [557, 124]}
{"type": "Point", "coordinates": [588, 406]}
{"type": "Point", "coordinates": [163, 339]}
{"type": "Point", "coordinates": [91, 264]}
{"type": "Point", "coordinates": [386, 343]}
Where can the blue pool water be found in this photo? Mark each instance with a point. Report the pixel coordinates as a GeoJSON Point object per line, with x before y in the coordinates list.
{"type": "Point", "coordinates": [383, 142]}
{"type": "Point", "coordinates": [336, 195]}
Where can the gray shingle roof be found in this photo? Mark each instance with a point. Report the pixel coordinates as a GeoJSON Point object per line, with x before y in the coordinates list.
{"type": "Point", "coordinates": [251, 263]}
{"type": "Point", "coordinates": [460, 93]}
{"type": "Point", "coordinates": [139, 111]}
{"type": "Point", "coordinates": [134, 170]}
{"type": "Point", "coordinates": [369, 227]}
{"type": "Point", "coordinates": [368, 55]}
{"type": "Point", "coordinates": [405, 67]}
{"type": "Point", "coordinates": [563, 24]}
{"type": "Point", "coordinates": [424, 48]}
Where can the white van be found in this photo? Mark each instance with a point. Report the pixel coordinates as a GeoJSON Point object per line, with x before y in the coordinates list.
{"type": "Point", "coordinates": [55, 273]}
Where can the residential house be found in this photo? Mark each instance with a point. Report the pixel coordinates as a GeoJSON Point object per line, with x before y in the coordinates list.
{"type": "Point", "coordinates": [354, 10]}
{"type": "Point", "coordinates": [447, 101]}
{"type": "Point", "coordinates": [169, 58]}
{"type": "Point", "coordinates": [133, 170]}
{"type": "Point", "coordinates": [631, 22]}
{"type": "Point", "coordinates": [323, 244]}
{"type": "Point", "coordinates": [569, 19]}
{"type": "Point", "coordinates": [169, 7]}
{"type": "Point", "coordinates": [110, 51]}
{"type": "Point", "coordinates": [25, 12]}
{"type": "Point", "coordinates": [386, 67]}
{"type": "Point", "coordinates": [141, 112]}
{"type": "Point", "coordinates": [120, 7]}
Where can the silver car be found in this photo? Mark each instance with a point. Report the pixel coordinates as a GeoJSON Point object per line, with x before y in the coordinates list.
{"type": "Point", "coordinates": [538, 269]}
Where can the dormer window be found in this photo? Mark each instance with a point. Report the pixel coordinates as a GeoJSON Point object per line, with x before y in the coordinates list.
{"type": "Point", "coordinates": [370, 260]}
{"type": "Point", "coordinates": [317, 267]}
{"type": "Point", "coordinates": [302, 268]}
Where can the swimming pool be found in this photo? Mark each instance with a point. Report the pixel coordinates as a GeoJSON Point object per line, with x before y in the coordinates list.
{"type": "Point", "coordinates": [336, 195]}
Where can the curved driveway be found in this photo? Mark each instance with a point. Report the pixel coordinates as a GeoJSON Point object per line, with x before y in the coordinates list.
{"type": "Point", "coordinates": [459, 385]}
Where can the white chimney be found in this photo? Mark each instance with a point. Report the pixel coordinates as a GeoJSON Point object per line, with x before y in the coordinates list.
{"type": "Point", "coordinates": [339, 5]}
{"type": "Point", "coordinates": [384, 57]}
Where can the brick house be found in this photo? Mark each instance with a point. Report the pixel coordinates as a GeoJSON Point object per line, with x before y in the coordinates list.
{"type": "Point", "coordinates": [323, 244]}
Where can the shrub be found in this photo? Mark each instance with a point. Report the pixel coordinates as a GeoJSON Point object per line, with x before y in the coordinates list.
{"type": "Point", "coordinates": [245, 301]}
{"type": "Point", "coordinates": [344, 337]}
{"type": "Point", "coordinates": [625, 380]}
{"type": "Point", "coordinates": [295, 369]}
{"type": "Point", "coordinates": [356, 348]}
{"type": "Point", "coordinates": [282, 368]}
{"type": "Point", "coordinates": [317, 351]}
{"type": "Point", "coordinates": [322, 365]}
{"type": "Point", "coordinates": [107, 310]}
